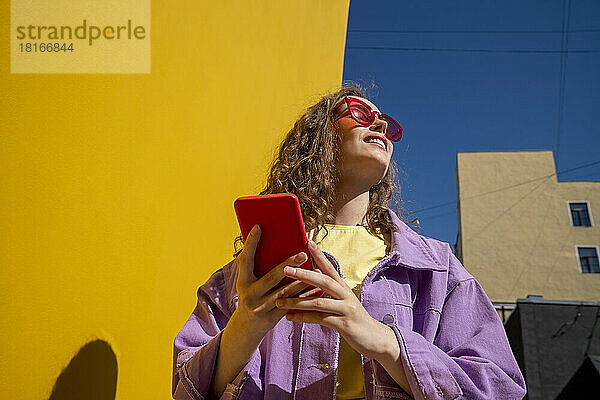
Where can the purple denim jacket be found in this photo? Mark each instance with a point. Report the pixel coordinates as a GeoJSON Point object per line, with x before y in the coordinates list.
{"type": "Point", "coordinates": [452, 341]}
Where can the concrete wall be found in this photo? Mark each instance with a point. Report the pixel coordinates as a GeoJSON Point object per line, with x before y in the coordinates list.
{"type": "Point", "coordinates": [515, 230]}
{"type": "Point", "coordinates": [118, 189]}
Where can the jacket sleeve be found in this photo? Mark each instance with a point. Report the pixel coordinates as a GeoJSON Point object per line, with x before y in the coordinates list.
{"type": "Point", "coordinates": [197, 345]}
{"type": "Point", "coordinates": [470, 357]}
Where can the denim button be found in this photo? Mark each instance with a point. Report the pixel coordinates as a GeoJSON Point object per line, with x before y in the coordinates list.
{"type": "Point", "coordinates": [388, 319]}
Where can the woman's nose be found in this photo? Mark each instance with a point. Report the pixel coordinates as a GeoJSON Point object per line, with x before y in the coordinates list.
{"type": "Point", "coordinates": [379, 125]}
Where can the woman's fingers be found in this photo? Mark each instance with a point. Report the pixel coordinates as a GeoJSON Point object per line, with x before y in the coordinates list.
{"type": "Point", "coordinates": [316, 292]}
{"type": "Point", "coordinates": [321, 280]}
{"type": "Point", "coordinates": [246, 257]}
{"type": "Point", "coordinates": [320, 304]}
{"type": "Point", "coordinates": [330, 320]}
{"type": "Point", "coordinates": [323, 262]}
{"type": "Point", "coordinates": [275, 275]}
{"type": "Point", "coordinates": [289, 290]}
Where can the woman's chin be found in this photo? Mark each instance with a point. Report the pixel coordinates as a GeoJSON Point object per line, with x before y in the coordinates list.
{"type": "Point", "coordinates": [379, 168]}
{"type": "Point", "coordinates": [366, 169]}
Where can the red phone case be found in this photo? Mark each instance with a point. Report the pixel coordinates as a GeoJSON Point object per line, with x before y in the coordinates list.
{"type": "Point", "coordinates": [282, 230]}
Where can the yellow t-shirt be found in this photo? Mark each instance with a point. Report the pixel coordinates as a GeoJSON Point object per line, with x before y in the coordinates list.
{"type": "Point", "coordinates": [358, 252]}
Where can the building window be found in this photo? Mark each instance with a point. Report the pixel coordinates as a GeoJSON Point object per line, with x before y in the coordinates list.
{"type": "Point", "coordinates": [588, 259]}
{"type": "Point", "coordinates": [580, 214]}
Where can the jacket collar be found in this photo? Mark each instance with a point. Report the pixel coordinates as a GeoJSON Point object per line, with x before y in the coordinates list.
{"type": "Point", "coordinates": [415, 251]}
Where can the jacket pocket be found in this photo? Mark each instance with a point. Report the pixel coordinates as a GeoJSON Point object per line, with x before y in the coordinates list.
{"type": "Point", "coordinates": [383, 392]}
{"type": "Point", "coordinates": [388, 389]}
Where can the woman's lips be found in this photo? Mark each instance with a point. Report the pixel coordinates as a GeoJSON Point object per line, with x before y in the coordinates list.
{"type": "Point", "coordinates": [382, 147]}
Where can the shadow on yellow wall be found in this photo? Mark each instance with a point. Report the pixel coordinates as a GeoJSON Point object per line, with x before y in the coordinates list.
{"type": "Point", "coordinates": [91, 374]}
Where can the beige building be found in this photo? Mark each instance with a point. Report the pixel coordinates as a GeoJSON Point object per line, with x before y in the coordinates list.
{"type": "Point", "coordinates": [522, 232]}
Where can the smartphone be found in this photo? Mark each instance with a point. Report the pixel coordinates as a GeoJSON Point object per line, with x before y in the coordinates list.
{"type": "Point", "coordinates": [282, 230]}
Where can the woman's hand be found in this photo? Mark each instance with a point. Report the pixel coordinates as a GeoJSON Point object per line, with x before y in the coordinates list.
{"type": "Point", "coordinates": [256, 313]}
{"type": "Point", "coordinates": [342, 312]}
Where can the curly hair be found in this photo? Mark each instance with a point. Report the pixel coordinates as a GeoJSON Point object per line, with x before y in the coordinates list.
{"type": "Point", "coordinates": [307, 165]}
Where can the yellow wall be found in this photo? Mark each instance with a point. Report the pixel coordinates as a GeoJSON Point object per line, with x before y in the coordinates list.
{"type": "Point", "coordinates": [519, 240]}
{"type": "Point", "coordinates": [117, 190]}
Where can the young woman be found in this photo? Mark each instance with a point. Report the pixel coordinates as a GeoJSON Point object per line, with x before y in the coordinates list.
{"type": "Point", "coordinates": [394, 314]}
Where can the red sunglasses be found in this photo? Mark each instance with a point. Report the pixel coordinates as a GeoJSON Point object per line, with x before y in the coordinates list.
{"type": "Point", "coordinates": [364, 115]}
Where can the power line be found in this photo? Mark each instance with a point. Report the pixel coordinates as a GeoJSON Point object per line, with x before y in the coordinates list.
{"type": "Point", "coordinates": [486, 193]}
{"type": "Point", "coordinates": [436, 206]}
{"type": "Point", "coordinates": [504, 213]}
{"type": "Point", "coordinates": [511, 207]}
{"type": "Point", "coordinates": [474, 31]}
{"type": "Point", "coordinates": [580, 167]}
{"type": "Point", "coordinates": [564, 45]}
{"type": "Point", "coordinates": [591, 335]}
{"type": "Point", "coordinates": [509, 187]}
{"type": "Point", "coordinates": [457, 50]}
{"type": "Point", "coordinates": [531, 254]}
{"type": "Point", "coordinates": [441, 215]}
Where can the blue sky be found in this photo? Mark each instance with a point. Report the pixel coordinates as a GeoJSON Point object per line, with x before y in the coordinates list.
{"type": "Point", "coordinates": [463, 101]}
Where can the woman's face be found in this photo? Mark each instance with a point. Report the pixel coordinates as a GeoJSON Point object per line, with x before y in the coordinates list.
{"type": "Point", "coordinates": [363, 157]}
